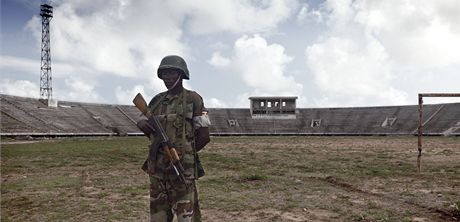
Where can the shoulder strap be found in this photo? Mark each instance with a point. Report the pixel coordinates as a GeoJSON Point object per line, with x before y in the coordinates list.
{"type": "Point", "coordinates": [184, 108]}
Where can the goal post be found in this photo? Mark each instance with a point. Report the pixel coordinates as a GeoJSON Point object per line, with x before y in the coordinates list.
{"type": "Point", "coordinates": [420, 122]}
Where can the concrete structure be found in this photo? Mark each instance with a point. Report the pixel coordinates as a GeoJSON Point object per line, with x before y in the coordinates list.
{"type": "Point", "coordinates": [27, 116]}
{"type": "Point", "coordinates": [273, 107]}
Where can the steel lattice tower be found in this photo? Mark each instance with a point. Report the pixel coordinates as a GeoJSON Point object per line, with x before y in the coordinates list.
{"type": "Point", "coordinates": [46, 88]}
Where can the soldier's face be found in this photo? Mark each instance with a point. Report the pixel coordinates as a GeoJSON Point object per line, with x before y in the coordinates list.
{"type": "Point", "coordinates": [169, 77]}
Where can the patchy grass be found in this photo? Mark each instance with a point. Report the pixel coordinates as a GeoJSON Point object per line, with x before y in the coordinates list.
{"type": "Point", "coordinates": [94, 179]}
{"type": "Point", "coordinates": [247, 179]}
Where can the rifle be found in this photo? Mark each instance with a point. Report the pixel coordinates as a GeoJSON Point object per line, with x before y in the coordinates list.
{"type": "Point", "coordinates": [165, 143]}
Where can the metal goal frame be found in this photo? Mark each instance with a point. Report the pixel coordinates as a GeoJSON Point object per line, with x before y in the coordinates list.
{"type": "Point", "coordinates": [420, 119]}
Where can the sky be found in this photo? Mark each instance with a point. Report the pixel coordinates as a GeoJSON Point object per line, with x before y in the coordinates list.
{"type": "Point", "coordinates": [333, 53]}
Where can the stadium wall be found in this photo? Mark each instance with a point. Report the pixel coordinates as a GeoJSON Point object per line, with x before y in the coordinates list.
{"type": "Point", "coordinates": [21, 116]}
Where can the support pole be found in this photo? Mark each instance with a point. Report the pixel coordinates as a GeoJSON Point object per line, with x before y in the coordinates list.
{"type": "Point", "coordinates": [420, 130]}
{"type": "Point", "coordinates": [420, 123]}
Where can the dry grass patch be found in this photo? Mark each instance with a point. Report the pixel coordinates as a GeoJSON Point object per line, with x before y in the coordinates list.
{"type": "Point", "coordinates": [247, 179]}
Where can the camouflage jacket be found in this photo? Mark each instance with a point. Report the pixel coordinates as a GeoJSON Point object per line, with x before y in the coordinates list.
{"type": "Point", "coordinates": [176, 114]}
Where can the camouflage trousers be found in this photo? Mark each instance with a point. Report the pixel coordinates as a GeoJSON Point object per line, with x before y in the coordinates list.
{"type": "Point", "coordinates": [169, 198]}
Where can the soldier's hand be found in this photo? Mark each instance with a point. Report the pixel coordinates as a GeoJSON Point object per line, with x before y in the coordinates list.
{"type": "Point", "coordinates": [145, 127]}
{"type": "Point", "coordinates": [201, 138]}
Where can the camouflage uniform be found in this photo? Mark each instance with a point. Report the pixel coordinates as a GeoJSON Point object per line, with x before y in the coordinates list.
{"type": "Point", "coordinates": [179, 115]}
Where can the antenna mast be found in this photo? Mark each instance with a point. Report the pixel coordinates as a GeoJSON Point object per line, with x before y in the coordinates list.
{"type": "Point", "coordinates": [46, 88]}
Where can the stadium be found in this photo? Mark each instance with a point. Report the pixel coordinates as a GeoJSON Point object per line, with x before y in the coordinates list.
{"type": "Point", "coordinates": [345, 164]}
{"type": "Point", "coordinates": [272, 161]}
{"type": "Point", "coordinates": [23, 116]}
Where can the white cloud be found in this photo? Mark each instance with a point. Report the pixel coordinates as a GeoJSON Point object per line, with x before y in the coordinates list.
{"type": "Point", "coordinates": [129, 38]}
{"type": "Point", "coordinates": [157, 85]}
{"type": "Point", "coordinates": [237, 16]}
{"type": "Point", "coordinates": [22, 65]}
{"type": "Point", "coordinates": [218, 60]}
{"type": "Point", "coordinates": [219, 46]}
{"type": "Point", "coordinates": [125, 38]}
{"type": "Point", "coordinates": [126, 96]}
{"type": "Point", "coordinates": [378, 52]}
{"type": "Point", "coordinates": [340, 13]}
{"type": "Point", "coordinates": [263, 66]}
{"type": "Point", "coordinates": [242, 100]}
{"type": "Point", "coordinates": [32, 67]}
{"type": "Point", "coordinates": [370, 52]}
{"type": "Point", "coordinates": [343, 66]}
{"type": "Point", "coordinates": [215, 103]}
{"type": "Point", "coordinates": [259, 66]}
{"type": "Point", "coordinates": [420, 33]}
{"type": "Point", "coordinates": [437, 100]}
{"type": "Point", "coordinates": [303, 13]}
{"type": "Point", "coordinates": [306, 14]}
{"type": "Point", "coordinates": [349, 73]}
{"type": "Point", "coordinates": [19, 88]}
{"type": "Point", "coordinates": [78, 89]}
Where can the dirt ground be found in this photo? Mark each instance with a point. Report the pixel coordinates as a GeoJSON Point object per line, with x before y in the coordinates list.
{"type": "Point", "coordinates": [247, 179]}
{"type": "Point", "coordinates": [346, 179]}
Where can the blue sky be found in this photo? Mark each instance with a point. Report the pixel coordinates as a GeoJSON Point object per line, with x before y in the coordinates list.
{"type": "Point", "coordinates": [327, 53]}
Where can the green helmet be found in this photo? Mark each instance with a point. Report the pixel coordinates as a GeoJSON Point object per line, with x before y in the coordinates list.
{"type": "Point", "coordinates": [174, 62]}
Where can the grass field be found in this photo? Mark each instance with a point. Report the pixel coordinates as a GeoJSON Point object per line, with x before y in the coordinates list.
{"type": "Point", "coordinates": [247, 179]}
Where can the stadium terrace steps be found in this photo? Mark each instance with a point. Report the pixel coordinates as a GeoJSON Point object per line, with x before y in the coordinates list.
{"type": "Point", "coordinates": [19, 112]}
{"type": "Point", "coordinates": [388, 120]}
{"type": "Point", "coordinates": [448, 118]}
{"type": "Point", "coordinates": [29, 116]}
{"type": "Point", "coordinates": [76, 119]}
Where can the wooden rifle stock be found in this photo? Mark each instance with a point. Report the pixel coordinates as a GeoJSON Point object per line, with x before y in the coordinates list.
{"type": "Point", "coordinates": [140, 103]}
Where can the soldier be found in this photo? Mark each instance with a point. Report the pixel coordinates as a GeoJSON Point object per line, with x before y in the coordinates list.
{"type": "Point", "coordinates": [184, 118]}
